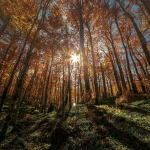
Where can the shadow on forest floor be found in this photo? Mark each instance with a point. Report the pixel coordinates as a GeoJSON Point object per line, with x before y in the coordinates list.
{"type": "Point", "coordinates": [87, 127]}
{"type": "Point", "coordinates": [124, 130]}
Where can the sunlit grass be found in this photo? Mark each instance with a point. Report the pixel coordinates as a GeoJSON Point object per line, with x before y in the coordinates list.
{"type": "Point", "coordinates": [133, 119]}
{"type": "Point", "coordinates": [106, 126]}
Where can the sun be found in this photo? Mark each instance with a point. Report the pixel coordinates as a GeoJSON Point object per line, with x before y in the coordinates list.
{"type": "Point", "coordinates": [75, 58]}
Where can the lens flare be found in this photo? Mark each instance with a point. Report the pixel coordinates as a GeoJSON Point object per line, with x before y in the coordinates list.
{"type": "Point", "coordinates": [74, 104]}
{"type": "Point", "coordinates": [75, 58]}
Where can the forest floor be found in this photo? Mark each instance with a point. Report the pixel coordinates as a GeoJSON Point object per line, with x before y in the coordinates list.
{"type": "Point", "coordinates": [103, 127]}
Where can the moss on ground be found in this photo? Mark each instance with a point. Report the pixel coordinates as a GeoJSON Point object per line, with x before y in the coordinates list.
{"type": "Point", "coordinates": [110, 127]}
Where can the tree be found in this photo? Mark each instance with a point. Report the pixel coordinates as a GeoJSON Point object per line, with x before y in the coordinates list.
{"type": "Point", "coordinates": [134, 88]}
{"type": "Point", "coordinates": [140, 35]}
{"type": "Point", "coordinates": [77, 12]}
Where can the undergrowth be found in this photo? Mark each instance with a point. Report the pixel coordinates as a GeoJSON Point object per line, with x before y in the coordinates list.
{"type": "Point", "coordinates": [110, 127]}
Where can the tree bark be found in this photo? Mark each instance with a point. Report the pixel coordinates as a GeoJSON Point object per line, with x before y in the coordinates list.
{"type": "Point", "coordinates": [146, 4]}
{"type": "Point", "coordinates": [134, 88]}
{"type": "Point", "coordinates": [104, 82]}
{"type": "Point", "coordinates": [4, 94]}
{"type": "Point", "coordinates": [85, 61]}
{"type": "Point", "coordinates": [139, 33]}
{"type": "Point", "coordinates": [93, 67]}
{"type": "Point", "coordinates": [136, 70]}
{"type": "Point", "coordinates": [22, 77]}
{"type": "Point", "coordinates": [118, 63]}
{"type": "Point", "coordinates": [115, 72]}
{"type": "Point", "coordinates": [47, 85]}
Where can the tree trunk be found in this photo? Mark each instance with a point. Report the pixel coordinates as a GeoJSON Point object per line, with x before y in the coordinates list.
{"type": "Point", "coordinates": [111, 88]}
{"type": "Point", "coordinates": [139, 33]}
{"type": "Point", "coordinates": [104, 82]}
{"type": "Point", "coordinates": [118, 64]}
{"type": "Point", "coordinates": [69, 86]}
{"type": "Point", "coordinates": [115, 73]}
{"type": "Point", "coordinates": [47, 85]}
{"type": "Point", "coordinates": [4, 94]}
{"type": "Point", "coordinates": [93, 67]}
{"type": "Point", "coordinates": [44, 86]}
{"type": "Point", "coordinates": [28, 89]}
{"type": "Point", "coordinates": [146, 4]}
{"type": "Point", "coordinates": [22, 77]}
{"type": "Point", "coordinates": [139, 62]}
{"type": "Point", "coordinates": [138, 75]}
{"type": "Point", "coordinates": [68, 95]}
{"type": "Point", "coordinates": [81, 88]}
{"type": "Point", "coordinates": [85, 61]}
{"type": "Point", "coordinates": [134, 88]}
{"type": "Point", "coordinates": [128, 81]}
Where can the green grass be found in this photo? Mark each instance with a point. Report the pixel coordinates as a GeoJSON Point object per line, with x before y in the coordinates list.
{"type": "Point", "coordinates": [106, 126]}
{"type": "Point", "coordinates": [103, 127]}
{"type": "Point", "coordinates": [130, 124]}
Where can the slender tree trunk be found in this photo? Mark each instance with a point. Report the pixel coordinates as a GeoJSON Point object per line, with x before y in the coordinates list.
{"type": "Point", "coordinates": [128, 81]}
{"type": "Point", "coordinates": [85, 61]}
{"type": "Point", "coordinates": [44, 85]}
{"type": "Point", "coordinates": [104, 82]}
{"type": "Point", "coordinates": [68, 95]}
{"type": "Point", "coordinates": [63, 88]}
{"type": "Point", "coordinates": [146, 4]}
{"type": "Point", "coordinates": [139, 33]}
{"type": "Point", "coordinates": [22, 77]}
{"type": "Point", "coordinates": [47, 85]}
{"type": "Point", "coordinates": [69, 85]}
{"type": "Point", "coordinates": [107, 87]}
{"type": "Point", "coordinates": [136, 70]}
{"type": "Point", "coordinates": [117, 60]}
{"type": "Point", "coordinates": [115, 74]}
{"type": "Point", "coordinates": [29, 87]}
{"type": "Point", "coordinates": [40, 94]}
{"type": "Point", "coordinates": [16, 64]}
{"type": "Point", "coordinates": [139, 62]}
{"type": "Point", "coordinates": [145, 14]}
{"type": "Point", "coordinates": [111, 87]}
{"type": "Point", "coordinates": [78, 89]}
{"type": "Point", "coordinates": [75, 89]}
{"type": "Point", "coordinates": [134, 88]}
{"type": "Point", "coordinates": [81, 88]}
{"type": "Point", "coordinates": [145, 65]}
{"type": "Point", "coordinates": [119, 67]}
{"type": "Point", "coordinates": [94, 66]}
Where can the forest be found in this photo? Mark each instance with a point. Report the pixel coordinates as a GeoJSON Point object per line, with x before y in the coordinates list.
{"type": "Point", "coordinates": [74, 74]}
